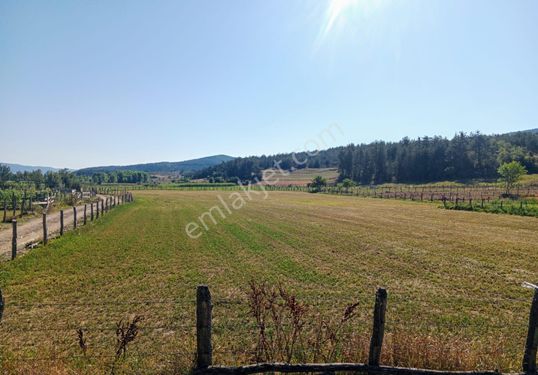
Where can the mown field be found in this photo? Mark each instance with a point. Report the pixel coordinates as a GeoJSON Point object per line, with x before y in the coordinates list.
{"type": "Point", "coordinates": [302, 177]}
{"type": "Point", "coordinates": [453, 277]}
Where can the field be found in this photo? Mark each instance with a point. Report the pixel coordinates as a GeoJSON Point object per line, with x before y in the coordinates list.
{"type": "Point", "coordinates": [301, 177]}
{"type": "Point", "coordinates": [453, 277]}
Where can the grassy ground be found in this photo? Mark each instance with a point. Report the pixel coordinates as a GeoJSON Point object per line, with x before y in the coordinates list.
{"type": "Point", "coordinates": [453, 277]}
{"type": "Point", "coordinates": [523, 207]}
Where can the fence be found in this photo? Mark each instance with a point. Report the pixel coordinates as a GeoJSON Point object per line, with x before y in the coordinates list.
{"type": "Point", "coordinates": [203, 357]}
{"type": "Point", "coordinates": [101, 206]}
{"type": "Point", "coordinates": [449, 193]}
{"type": "Point", "coordinates": [24, 203]}
{"type": "Point", "coordinates": [17, 208]}
{"type": "Point", "coordinates": [204, 361]}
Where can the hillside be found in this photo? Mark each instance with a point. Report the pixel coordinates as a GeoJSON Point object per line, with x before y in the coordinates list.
{"type": "Point", "coordinates": [162, 167]}
{"type": "Point", "coordinates": [420, 160]}
{"type": "Point", "coordinates": [301, 177]}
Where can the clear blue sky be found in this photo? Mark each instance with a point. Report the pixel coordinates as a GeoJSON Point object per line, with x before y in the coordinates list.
{"type": "Point", "coordinates": [86, 83]}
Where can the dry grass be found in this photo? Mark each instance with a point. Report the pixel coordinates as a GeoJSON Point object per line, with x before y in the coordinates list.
{"type": "Point", "coordinates": [453, 278]}
{"type": "Point", "coordinates": [301, 177]}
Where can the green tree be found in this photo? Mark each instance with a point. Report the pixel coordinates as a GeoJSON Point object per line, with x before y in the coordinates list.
{"type": "Point", "coordinates": [348, 183]}
{"type": "Point", "coordinates": [317, 183]}
{"type": "Point", "coordinates": [510, 174]}
{"type": "Point", "coordinates": [5, 174]}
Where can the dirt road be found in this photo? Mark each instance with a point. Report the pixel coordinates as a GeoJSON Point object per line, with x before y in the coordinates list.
{"type": "Point", "coordinates": [31, 231]}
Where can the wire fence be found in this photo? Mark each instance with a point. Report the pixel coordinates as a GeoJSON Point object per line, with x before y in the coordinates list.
{"type": "Point", "coordinates": [163, 333]}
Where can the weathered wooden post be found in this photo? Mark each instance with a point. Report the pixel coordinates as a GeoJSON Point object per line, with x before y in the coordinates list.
{"type": "Point", "coordinates": [91, 211]}
{"type": "Point", "coordinates": [529, 358]}
{"type": "Point", "coordinates": [203, 327]}
{"type": "Point", "coordinates": [61, 222]}
{"type": "Point", "coordinates": [378, 332]}
{"type": "Point", "coordinates": [45, 232]}
{"type": "Point", "coordinates": [14, 239]}
{"type": "Point", "coordinates": [22, 207]}
{"type": "Point", "coordinates": [2, 304]}
{"type": "Point", "coordinates": [74, 217]}
{"type": "Point", "coordinates": [85, 216]}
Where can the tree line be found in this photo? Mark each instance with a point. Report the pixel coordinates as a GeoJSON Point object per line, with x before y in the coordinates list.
{"type": "Point", "coordinates": [464, 157]}
{"type": "Point", "coordinates": [250, 168]}
{"type": "Point", "coordinates": [425, 159]}
{"type": "Point", "coordinates": [64, 179]}
{"type": "Point", "coordinates": [131, 177]}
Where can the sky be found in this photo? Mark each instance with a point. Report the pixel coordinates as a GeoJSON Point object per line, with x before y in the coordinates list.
{"type": "Point", "coordinates": [86, 83]}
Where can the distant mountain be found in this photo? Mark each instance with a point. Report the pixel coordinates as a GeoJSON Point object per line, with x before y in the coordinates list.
{"type": "Point", "coordinates": [162, 167]}
{"type": "Point", "coordinates": [29, 168]}
{"type": "Point", "coordinates": [525, 131]}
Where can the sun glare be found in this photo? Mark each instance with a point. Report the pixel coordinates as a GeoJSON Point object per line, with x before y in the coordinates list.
{"type": "Point", "coordinates": [340, 13]}
{"type": "Point", "coordinates": [336, 12]}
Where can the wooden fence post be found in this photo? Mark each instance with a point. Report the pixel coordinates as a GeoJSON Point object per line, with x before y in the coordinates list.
{"type": "Point", "coordinates": [2, 304]}
{"type": "Point", "coordinates": [61, 222]}
{"type": "Point", "coordinates": [378, 332]}
{"type": "Point", "coordinates": [14, 239]}
{"type": "Point", "coordinates": [85, 216]}
{"type": "Point", "coordinates": [529, 359]}
{"type": "Point", "coordinates": [74, 217]}
{"type": "Point", "coordinates": [203, 327]}
{"type": "Point", "coordinates": [97, 210]}
{"type": "Point", "coordinates": [91, 211]}
{"type": "Point", "coordinates": [45, 232]}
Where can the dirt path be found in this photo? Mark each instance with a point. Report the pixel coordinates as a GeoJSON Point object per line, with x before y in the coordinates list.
{"type": "Point", "coordinates": [30, 232]}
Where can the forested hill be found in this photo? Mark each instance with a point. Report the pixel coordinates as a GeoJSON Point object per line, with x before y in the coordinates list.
{"type": "Point", "coordinates": [249, 168]}
{"type": "Point", "coordinates": [161, 167]}
{"type": "Point", "coordinates": [426, 159]}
